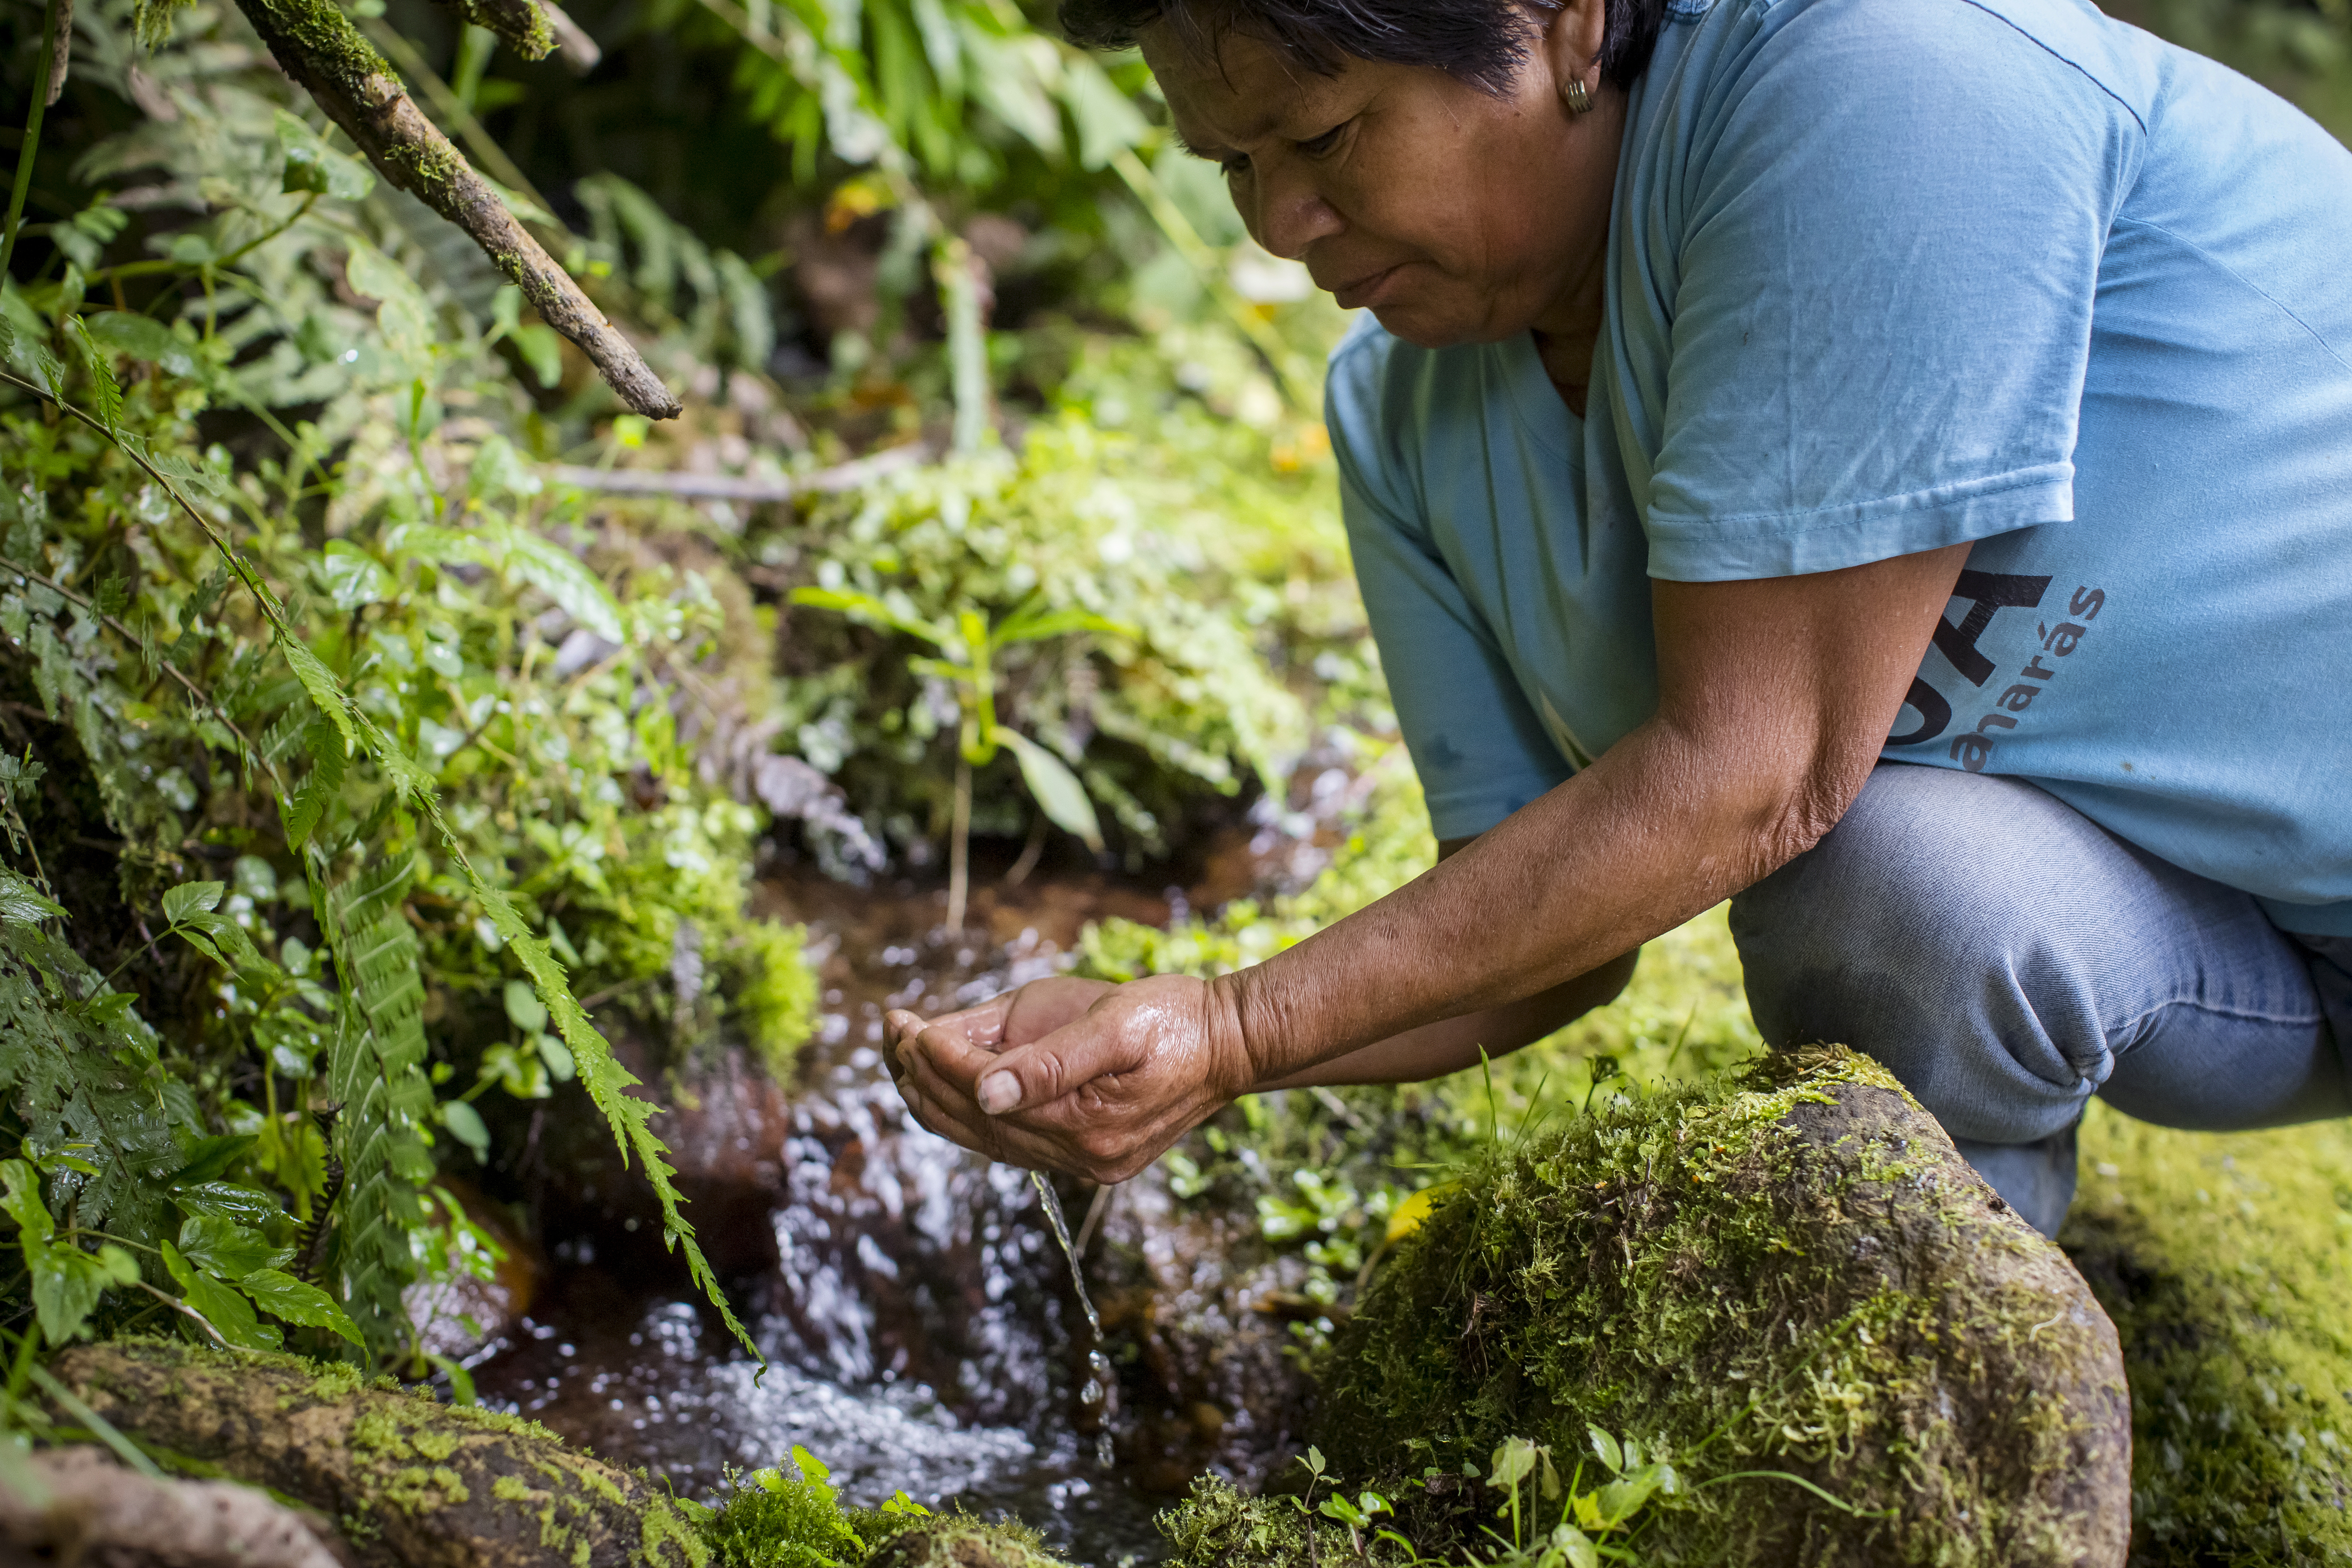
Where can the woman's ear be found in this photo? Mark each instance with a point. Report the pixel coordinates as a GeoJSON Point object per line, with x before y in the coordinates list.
{"type": "Point", "coordinates": [1571, 45]}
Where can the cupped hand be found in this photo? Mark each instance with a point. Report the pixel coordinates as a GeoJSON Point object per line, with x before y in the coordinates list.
{"type": "Point", "coordinates": [1076, 1075]}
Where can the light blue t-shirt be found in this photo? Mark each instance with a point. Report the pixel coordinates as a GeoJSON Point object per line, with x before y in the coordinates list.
{"type": "Point", "coordinates": [1885, 275]}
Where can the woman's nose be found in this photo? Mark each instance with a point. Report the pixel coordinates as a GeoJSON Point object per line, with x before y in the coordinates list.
{"type": "Point", "coordinates": [1290, 215]}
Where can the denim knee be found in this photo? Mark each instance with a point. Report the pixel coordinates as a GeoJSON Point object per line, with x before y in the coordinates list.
{"type": "Point", "coordinates": [1915, 933]}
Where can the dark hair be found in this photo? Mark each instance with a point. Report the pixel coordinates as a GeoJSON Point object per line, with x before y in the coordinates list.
{"type": "Point", "coordinates": [1482, 42]}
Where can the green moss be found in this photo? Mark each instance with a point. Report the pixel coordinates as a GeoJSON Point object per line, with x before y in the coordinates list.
{"type": "Point", "coordinates": [377, 1435]}
{"type": "Point", "coordinates": [785, 1524]}
{"type": "Point", "coordinates": [416, 1489]}
{"type": "Point", "coordinates": [435, 1446]}
{"type": "Point", "coordinates": [1682, 1268]}
{"type": "Point", "coordinates": [1216, 1524]}
{"type": "Point", "coordinates": [670, 1539]}
{"type": "Point", "coordinates": [2226, 1261]}
{"type": "Point", "coordinates": [514, 1489]}
{"type": "Point", "coordinates": [328, 42]}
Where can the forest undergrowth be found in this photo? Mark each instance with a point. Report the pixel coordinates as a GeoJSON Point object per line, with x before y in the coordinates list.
{"type": "Point", "coordinates": [395, 721]}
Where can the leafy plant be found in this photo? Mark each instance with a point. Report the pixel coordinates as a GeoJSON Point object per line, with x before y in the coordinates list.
{"type": "Point", "coordinates": [968, 647]}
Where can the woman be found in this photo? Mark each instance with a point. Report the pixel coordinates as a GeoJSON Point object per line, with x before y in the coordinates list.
{"type": "Point", "coordinates": [1888, 462]}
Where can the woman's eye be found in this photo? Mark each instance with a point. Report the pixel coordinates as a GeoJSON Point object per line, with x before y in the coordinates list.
{"type": "Point", "coordinates": [1317, 147]}
{"type": "Point", "coordinates": [1234, 167]}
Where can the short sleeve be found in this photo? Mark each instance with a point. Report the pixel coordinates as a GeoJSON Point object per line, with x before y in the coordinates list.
{"type": "Point", "coordinates": [1479, 748]}
{"type": "Point", "coordinates": [1890, 230]}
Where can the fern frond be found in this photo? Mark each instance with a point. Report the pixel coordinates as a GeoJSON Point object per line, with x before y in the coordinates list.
{"type": "Point", "coordinates": [606, 1081]}
{"type": "Point", "coordinates": [376, 1069]}
{"type": "Point", "coordinates": [78, 1065]}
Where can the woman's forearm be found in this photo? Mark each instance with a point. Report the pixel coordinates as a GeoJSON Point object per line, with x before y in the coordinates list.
{"type": "Point", "coordinates": [1775, 696]}
{"type": "Point", "coordinates": [1435, 1049]}
{"type": "Point", "coordinates": [1652, 833]}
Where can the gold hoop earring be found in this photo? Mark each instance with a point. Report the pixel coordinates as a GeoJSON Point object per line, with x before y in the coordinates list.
{"type": "Point", "coordinates": [1576, 95]}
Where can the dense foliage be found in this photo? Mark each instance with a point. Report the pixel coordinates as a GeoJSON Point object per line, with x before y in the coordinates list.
{"type": "Point", "coordinates": [393, 725]}
{"type": "Point", "coordinates": [361, 744]}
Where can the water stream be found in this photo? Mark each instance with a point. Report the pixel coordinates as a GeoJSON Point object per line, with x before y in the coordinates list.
{"type": "Point", "coordinates": [901, 1290]}
{"type": "Point", "coordinates": [1100, 1395]}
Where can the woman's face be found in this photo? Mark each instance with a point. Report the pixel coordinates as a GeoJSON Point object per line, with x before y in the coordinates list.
{"type": "Point", "coordinates": [1453, 214]}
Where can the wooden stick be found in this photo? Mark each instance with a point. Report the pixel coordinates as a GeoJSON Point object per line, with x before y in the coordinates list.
{"type": "Point", "coordinates": [520, 22]}
{"type": "Point", "coordinates": [315, 43]}
{"type": "Point", "coordinates": [737, 487]}
{"type": "Point", "coordinates": [580, 51]}
{"type": "Point", "coordinates": [60, 52]}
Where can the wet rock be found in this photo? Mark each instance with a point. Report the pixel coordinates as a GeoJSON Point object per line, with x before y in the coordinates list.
{"type": "Point", "coordinates": [409, 1482]}
{"type": "Point", "coordinates": [1793, 1272]}
{"type": "Point", "coordinates": [959, 1542]}
{"type": "Point", "coordinates": [1191, 1302]}
{"type": "Point", "coordinates": [79, 1505]}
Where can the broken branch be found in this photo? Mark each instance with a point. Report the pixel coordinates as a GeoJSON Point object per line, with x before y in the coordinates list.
{"type": "Point", "coordinates": [316, 43]}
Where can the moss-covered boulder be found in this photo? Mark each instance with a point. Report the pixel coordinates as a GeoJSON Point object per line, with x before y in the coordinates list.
{"type": "Point", "coordinates": [406, 1481]}
{"type": "Point", "coordinates": [1792, 1271]}
{"type": "Point", "coordinates": [959, 1540]}
{"type": "Point", "coordinates": [2227, 1263]}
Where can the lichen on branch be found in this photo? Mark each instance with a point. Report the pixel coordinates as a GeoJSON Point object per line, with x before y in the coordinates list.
{"type": "Point", "coordinates": [314, 43]}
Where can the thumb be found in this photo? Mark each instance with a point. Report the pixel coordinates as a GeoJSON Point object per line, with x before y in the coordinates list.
{"type": "Point", "coordinates": [1086, 1048]}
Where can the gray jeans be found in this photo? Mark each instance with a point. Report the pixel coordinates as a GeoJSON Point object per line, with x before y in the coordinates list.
{"type": "Point", "coordinates": [2007, 959]}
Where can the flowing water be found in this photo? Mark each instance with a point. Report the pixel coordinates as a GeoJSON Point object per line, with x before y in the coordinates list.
{"type": "Point", "coordinates": [1100, 1394]}
{"type": "Point", "coordinates": [903, 1291]}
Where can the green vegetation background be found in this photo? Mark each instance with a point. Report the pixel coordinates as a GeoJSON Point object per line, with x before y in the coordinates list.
{"type": "Point", "coordinates": [376, 772]}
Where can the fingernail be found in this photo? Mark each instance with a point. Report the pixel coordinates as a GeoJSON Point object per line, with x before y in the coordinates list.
{"type": "Point", "coordinates": [999, 1093]}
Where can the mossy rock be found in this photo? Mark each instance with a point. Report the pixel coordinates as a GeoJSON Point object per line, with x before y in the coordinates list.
{"type": "Point", "coordinates": [406, 1480]}
{"type": "Point", "coordinates": [2226, 1260]}
{"type": "Point", "coordinates": [1793, 1271]}
{"type": "Point", "coordinates": [958, 1542]}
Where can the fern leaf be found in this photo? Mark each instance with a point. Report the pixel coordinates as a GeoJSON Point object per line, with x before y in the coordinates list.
{"type": "Point", "coordinates": [375, 1068]}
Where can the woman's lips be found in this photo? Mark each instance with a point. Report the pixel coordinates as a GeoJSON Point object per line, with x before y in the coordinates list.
{"type": "Point", "coordinates": [1366, 291]}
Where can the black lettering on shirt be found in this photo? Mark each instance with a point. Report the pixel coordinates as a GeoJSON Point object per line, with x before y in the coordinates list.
{"type": "Point", "coordinates": [1934, 714]}
{"type": "Point", "coordinates": [1988, 591]}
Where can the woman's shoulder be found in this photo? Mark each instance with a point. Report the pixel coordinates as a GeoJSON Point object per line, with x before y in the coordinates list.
{"type": "Point", "coordinates": [1735, 41]}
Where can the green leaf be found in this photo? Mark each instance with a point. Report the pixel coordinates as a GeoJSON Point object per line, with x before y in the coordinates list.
{"type": "Point", "coordinates": [23, 1200]}
{"type": "Point", "coordinates": [499, 470]}
{"type": "Point", "coordinates": [1575, 1547]}
{"type": "Point", "coordinates": [283, 1296]}
{"type": "Point", "coordinates": [1606, 1447]}
{"type": "Point", "coordinates": [189, 898]}
{"type": "Point", "coordinates": [353, 577]}
{"type": "Point", "coordinates": [321, 786]}
{"type": "Point", "coordinates": [211, 1158]}
{"type": "Point", "coordinates": [229, 1202]}
{"type": "Point", "coordinates": [311, 166]}
{"type": "Point", "coordinates": [67, 1284]}
{"type": "Point", "coordinates": [873, 611]}
{"type": "Point", "coordinates": [144, 338]}
{"type": "Point", "coordinates": [542, 351]}
{"type": "Point", "coordinates": [106, 391]}
{"type": "Point", "coordinates": [465, 1124]}
{"type": "Point", "coordinates": [320, 682]}
{"type": "Point", "coordinates": [221, 1246]}
{"type": "Point", "coordinates": [524, 1008]}
{"type": "Point", "coordinates": [1023, 626]}
{"type": "Point", "coordinates": [21, 903]}
{"type": "Point", "coordinates": [120, 1265]}
{"type": "Point", "coordinates": [1511, 1462]}
{"type": "Point", "coordinates": [563, 577]}
{"type": "Point", "coordinates": [1057, 790]}
{"type": "Point", "coordinates": [230, 1315]}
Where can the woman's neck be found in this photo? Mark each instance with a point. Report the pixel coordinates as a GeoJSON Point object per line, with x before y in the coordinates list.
{"type": "Point", "coordinates": [1565, 335]}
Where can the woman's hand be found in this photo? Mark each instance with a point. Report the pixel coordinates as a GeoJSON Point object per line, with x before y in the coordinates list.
{"type": "Point", "coordinates": [1075, 1075]}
